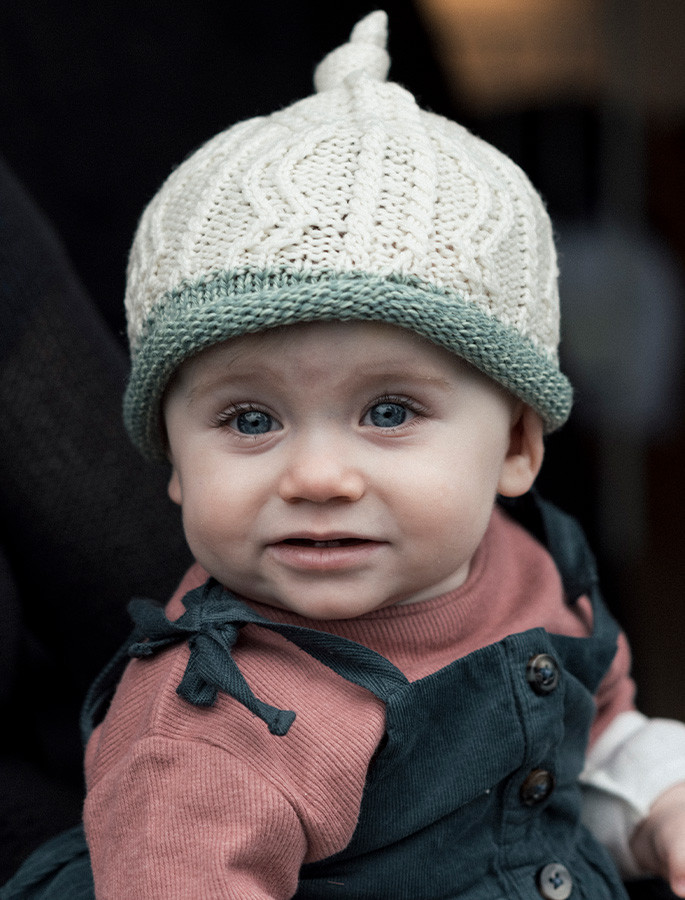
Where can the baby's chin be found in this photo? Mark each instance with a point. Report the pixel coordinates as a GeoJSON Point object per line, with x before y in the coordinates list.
{"type": "Point", "coordinates": [320, 608]}
{"type": "Point", "coordinates": [326, 603]}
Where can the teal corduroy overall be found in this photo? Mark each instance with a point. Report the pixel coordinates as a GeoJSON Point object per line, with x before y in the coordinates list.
{"type": "Point", "coordinates": [473, 793]}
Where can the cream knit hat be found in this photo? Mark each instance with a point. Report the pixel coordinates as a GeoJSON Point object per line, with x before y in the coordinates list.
{"type": "Point", "coordinates": [350, 204]}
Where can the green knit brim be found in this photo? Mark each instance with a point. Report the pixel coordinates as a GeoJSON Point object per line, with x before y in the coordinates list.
{"type": "Point", "coordinates": [229, 304]}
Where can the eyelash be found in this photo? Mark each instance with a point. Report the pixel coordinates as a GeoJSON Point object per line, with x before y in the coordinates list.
{"type": "Point", "coordinates": [414, 407]}
{"type": "Point", "coordinates": [223, 418]}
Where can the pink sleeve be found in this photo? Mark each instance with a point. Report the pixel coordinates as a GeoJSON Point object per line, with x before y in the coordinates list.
{"type": "Point", "coordinates": [190, 820]}
{"type": "Point", "coordinates": [188, 802]}
{"type": "Point", "coordinates": [616, 693]}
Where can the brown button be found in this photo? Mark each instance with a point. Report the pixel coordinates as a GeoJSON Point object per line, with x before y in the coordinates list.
{"type": "Point", "coordinates": [537, 787]}
{"type": "Point", "coordinates": [555, 882]}
{"type": "Point", "coordinates": [542, 673]}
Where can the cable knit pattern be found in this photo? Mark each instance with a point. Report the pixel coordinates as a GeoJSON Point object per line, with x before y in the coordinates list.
{"type": "Point", "coordinates": [357, 191]}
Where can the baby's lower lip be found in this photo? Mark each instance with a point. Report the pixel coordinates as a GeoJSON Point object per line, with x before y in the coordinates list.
{"type": "Point", "coordinates": [339, 553]}
{"type": "Point", "coordinates": [336, 542]}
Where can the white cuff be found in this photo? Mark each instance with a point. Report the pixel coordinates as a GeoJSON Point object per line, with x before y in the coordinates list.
{"type": "Point", "coordinates": [634, 761]}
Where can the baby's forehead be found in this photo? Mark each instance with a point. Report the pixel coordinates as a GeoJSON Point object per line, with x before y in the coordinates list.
{"type": "Point", "coordinates": [331, 344]}
{"type": "Point", "coordinates": [354, 355]}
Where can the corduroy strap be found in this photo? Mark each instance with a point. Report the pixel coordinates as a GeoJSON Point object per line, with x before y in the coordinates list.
{"type": "Point", "coordinates": [211, 624]}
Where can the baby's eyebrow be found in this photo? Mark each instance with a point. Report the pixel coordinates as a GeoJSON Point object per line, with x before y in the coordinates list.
{"type": "Point", "coordinates": [225, 371]}
{"type": "Point", "coordinates": [407, 376]}
{"type": "Point", "coordinates": [206, 386]}
{"type": "Point", "coordinates": [379, 378]}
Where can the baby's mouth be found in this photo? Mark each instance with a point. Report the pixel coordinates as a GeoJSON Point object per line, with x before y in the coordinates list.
{"type": "Point", "coordinates": [334, 554]}
{"type": "Point", "coordinates": [323, 545]}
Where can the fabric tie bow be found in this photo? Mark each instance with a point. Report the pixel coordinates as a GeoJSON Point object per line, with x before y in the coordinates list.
{"type": "Point", "coordinates": [211, 624]}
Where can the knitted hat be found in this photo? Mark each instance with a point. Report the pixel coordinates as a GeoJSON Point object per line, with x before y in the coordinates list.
{"type": "Point", "coordinates": [350, 204]}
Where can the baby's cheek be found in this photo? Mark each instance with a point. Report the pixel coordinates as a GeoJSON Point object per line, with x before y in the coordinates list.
{"type": "Point", "coordinates": [201, 524]}
{"type": "Point", "coordinates": [450, 506]}
{"type": "Point", "coordinates": [212, 531]}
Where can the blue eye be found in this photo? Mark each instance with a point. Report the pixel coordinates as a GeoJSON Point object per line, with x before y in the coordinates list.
{"type": "Point", "coordinates": [387, 415]}
{"type": "Point", "coordinates": [254, 421]}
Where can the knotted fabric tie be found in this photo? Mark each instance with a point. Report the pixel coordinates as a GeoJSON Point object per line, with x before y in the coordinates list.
{"type": "Point", "coordinates": [211, 623]}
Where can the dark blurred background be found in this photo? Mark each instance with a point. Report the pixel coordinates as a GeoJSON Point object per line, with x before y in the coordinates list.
{"type": "Point", "coordinates": [99, 101]}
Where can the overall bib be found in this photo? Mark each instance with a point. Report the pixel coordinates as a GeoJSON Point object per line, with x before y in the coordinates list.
{"type": "Point", "coordinates": [473, 793]}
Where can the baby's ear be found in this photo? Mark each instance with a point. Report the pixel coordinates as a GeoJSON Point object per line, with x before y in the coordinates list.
{"type": "Point", "coordinates": [174, 488]}
{"type": "Point", "coordinates": [526, 450]}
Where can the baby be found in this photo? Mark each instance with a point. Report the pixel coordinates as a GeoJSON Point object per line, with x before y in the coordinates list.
{"type": "Point", "coordinates": [377, 681]}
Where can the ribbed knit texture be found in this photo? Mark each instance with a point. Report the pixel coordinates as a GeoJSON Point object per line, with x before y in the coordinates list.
{"type": "Point", "coordinates": [205, 802]}
{"type": "Point", "coordinates": [351, 203]}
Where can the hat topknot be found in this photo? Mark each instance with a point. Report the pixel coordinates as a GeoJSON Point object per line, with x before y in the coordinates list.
{"type": "Point", "coordinates": [350, 204]}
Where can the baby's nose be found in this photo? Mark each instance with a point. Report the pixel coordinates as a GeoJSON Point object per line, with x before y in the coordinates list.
{"type": "Point", "coordinates": [319, 471]}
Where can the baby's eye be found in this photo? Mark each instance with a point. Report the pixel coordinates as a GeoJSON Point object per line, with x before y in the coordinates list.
{"type": "Point", "coordinates": [254, 421]}
{"type": "Point", "coordinates": [387, 414]}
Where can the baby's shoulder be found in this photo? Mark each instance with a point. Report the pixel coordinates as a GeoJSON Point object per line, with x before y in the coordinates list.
{"type": "Point", "coordinates": [327, 749]}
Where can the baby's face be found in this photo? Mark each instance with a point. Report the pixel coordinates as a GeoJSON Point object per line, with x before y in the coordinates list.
{"type": "Point", "coordinates": [332, 469]}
